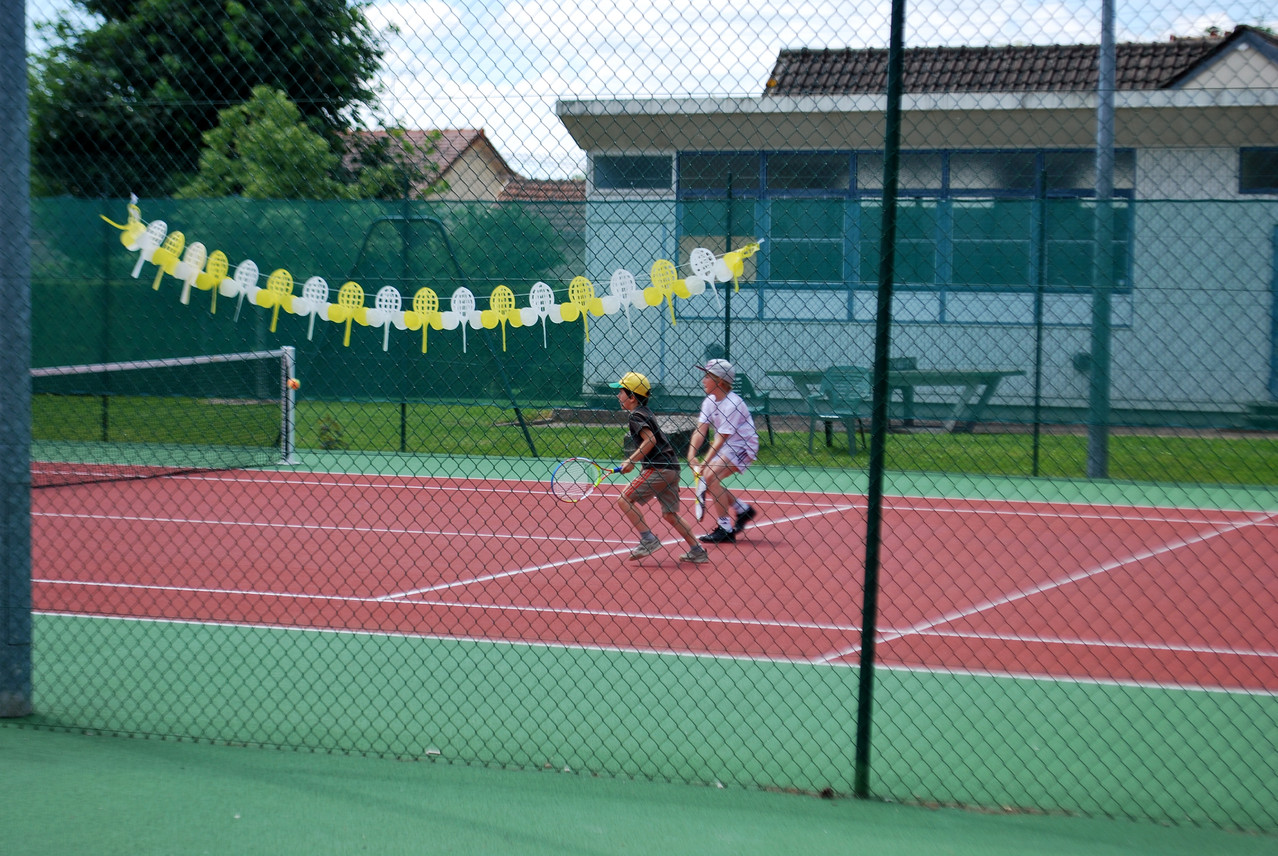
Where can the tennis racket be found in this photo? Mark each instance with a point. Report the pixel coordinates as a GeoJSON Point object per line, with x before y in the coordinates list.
{"type": "Point", "coordinates": [576, 478]}
{"type": "Point", "coordinates": [699, 491]}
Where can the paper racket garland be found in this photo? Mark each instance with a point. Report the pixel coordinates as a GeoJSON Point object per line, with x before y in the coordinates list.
{"type": "Point", "coordinates": [349, 307]}
{"type": "Point", "coordinates": [503, 312]}
{"type": "Point", "coordinates": [541, 304]}
{"type": "Point", "coordinates": [425, 313]}
{"type": "Point", "coordinates": [194, 266]}
{"type": "Point", "coordinates": [166, 257]}
{"type": "Point", "coordinates": [277, 295]}
{"type": "Point", "coordinates": [210, 279]}
{"type": "Point", "coordinates": [581, 302]}
{"type": "Point", "coordinates": [314, 302]}
{"type": "Point", "coordinates": [189, 268]}
{"type": "Point", "coordinates": [243, 283]}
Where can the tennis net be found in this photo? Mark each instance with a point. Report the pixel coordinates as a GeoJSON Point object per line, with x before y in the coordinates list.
{"type": "Point", "coordinates": [147, 418]}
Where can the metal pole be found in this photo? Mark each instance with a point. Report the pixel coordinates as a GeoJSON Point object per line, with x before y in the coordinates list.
{"type": "Point", "coordinates": [727, 292]}
{"type": "Point", "coordinates": [878, 415]}
{"type": "Point", "coordinates": [1102, 254]}
{"type": "Point", "coordinates": [1040, 279]}
{"type": "Point", "coordinates": [15, 367]}
{"type": "Point", "coordinates": [288, 422]}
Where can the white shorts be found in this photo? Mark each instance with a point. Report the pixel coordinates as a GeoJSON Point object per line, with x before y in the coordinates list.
{"type": "Point", "coordinates": [740, 454]}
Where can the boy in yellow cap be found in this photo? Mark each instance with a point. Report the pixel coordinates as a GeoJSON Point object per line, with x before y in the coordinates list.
{"type": "Point", "coordinates": [658, 475]}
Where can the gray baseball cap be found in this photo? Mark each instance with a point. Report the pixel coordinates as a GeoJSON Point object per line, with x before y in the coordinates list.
{"type": "Point", "coordinates": [721, 369]}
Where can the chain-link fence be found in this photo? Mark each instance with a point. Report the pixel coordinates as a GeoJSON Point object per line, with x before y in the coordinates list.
{"type": "Point", "coordinates": [1000, 528]}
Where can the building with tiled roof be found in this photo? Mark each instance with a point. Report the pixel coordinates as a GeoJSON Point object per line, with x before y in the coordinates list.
{"type": "Point", "coordinates": [996, 231]}
{"type": "Point", "coordinates": [467, 165]}
{"type": "Point", "coordinates": [1013, 68]}
{"type": "Point", "coordinates": [520, 189]}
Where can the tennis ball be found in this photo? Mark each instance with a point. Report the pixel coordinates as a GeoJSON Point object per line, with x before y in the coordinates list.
{"type": "Point", "coordinates": [294, 383]}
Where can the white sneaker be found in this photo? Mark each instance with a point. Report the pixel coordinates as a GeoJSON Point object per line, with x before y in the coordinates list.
{"type": "Point", "coordinates": [646, 547]}
{"type": "Point", "coordinates": [697, 555]}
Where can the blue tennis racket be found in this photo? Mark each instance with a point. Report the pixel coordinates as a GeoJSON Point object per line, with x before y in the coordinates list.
{"type": "Point", "coordinates": [576, 478]}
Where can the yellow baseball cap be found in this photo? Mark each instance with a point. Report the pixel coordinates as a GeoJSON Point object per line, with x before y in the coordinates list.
{"type": "Point", "coordinates": [635, 382]}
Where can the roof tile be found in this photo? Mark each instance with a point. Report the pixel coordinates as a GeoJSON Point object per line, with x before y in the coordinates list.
{"type": "Point", "coordinates": [1014, 68]}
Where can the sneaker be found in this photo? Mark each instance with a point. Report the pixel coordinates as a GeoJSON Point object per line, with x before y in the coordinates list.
{"type": "Point", "coordinates": [718, 536]}
{"type": "Point", "coordinates": [646, 547]}
{"type": "Point", "coordinates": [744, 518]}
{"type": "Point", "coordinates": [696, 555]}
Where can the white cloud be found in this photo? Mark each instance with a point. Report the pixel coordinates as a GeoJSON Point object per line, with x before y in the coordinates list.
{"type": "Point", "coordinates": [502, 67]}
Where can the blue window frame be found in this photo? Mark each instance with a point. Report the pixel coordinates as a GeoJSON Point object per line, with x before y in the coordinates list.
{"type": "Point", "coordinates": [967, 221]}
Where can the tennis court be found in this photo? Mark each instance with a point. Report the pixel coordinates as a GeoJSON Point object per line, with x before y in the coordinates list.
{"type": "Point", "coordinates": [979, 586]}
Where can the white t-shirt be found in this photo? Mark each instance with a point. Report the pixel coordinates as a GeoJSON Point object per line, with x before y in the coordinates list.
{"type": "Point", "coordinates": [731, 418]}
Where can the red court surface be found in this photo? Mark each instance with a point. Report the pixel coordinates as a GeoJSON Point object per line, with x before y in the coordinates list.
{"type": "Point", "coordinates": [1158, 596]}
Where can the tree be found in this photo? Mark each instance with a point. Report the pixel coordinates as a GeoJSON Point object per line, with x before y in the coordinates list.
{"type": "Point", "coordinates": [262, 149]}
{"type": "Point", "coordinates": [122, 107]}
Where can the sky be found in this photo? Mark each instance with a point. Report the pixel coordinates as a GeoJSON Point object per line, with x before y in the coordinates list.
{"type": "Point", "coordinates": [502, 66]}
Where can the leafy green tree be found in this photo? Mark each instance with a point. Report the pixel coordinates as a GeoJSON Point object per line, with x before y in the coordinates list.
{"type": "Point", "coordinates": [122, 106]}
{"type": "Point", "coordinates": [262, 149]}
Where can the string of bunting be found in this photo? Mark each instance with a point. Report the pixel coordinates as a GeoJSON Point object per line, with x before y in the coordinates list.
{"type": "Point", "coordinates": [196, 268]}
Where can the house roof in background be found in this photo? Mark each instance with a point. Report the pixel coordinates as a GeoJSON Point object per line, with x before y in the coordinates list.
{"type": "Point", "coordinates": [520, 189]}
{"type": "Point", "coordinates": [451, 145]}
{"type": "Point", "coordinates": [1030, 68]}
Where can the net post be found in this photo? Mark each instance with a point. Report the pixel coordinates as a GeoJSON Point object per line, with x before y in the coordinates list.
{"type": "Point", "coordinates": [288, 403]}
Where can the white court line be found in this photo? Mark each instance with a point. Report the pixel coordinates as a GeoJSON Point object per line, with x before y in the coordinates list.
{"type": "Point", "coordinates": [1050, 585]}
{"type": "Point", "coordinates": [671, 652]}
{"type": "Point", "coordinates": [1062, 509]}
{"type": "Point", "coordinates": [658, 616]}
{"type": "Point", "coordinates": [312, 527]}
{"type": "Point", "coordinates": [466, 605]}
{"type": "Point", "coordinates": [563, 563]}
{"type": "Point", "coordinates": [1163, 647]}
{"type": "Point", "coordinates": [921, 629]}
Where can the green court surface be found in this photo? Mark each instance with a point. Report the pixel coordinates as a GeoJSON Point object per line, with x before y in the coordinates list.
{"type": "Point", "coordinates": [70, 794]}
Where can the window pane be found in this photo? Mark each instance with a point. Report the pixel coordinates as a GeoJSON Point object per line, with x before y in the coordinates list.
{"type": "Point", "coordinates": [711, 172]}
{"type": "Point", "coordinates": [919, 171]}
{"type": "Point", "coordinates": [1258, 170]}
{"type": "Point", "coordinates": [807, 218]}
{"type": "Point", "coordinates": [992, 242]}
{"type": "Point", "coordinates": [632, 172]}
{"type": "Point", "coordinates": [916, 219]}
{"type": "Point", "coordinates": [808, 171]}
{"type": "Point", "coordinates": [992, 171]}
{"type": "Point", "coordinates": [807, 261]}
{"type": "Point", "coordinates": [915, 243]}
{"type": "Point", "coordinates": [992, 219]}
{"type": "Point", "coordinates": [987, 263]}
{"type": "Point", "coordinates": [709, 217]}
{"type": "Point", "coordinates": [1071, 229]}
{"type": "Point", "coordinates": [915, 262]}
{"type": "Point", "coordinates": [1077, 170]}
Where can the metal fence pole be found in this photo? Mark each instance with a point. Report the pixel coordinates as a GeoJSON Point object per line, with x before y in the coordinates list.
{"type": "Point", "coordinates": [1103, 253]}
{"type": "Point", "coordinates": [15, 364]}
{"type": "Point", "coordinates": [878, 417]}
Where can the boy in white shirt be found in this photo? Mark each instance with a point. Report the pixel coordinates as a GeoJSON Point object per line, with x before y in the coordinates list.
{"type": "Point", "coordinates": [734, 448]}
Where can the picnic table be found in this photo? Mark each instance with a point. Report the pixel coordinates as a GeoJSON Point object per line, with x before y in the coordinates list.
{"type": "Point", "coordinates": [976, 387]}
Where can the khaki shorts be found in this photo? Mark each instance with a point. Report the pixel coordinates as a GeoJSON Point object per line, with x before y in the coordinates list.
{"type": "Point", "coordinates": [661, 483]}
